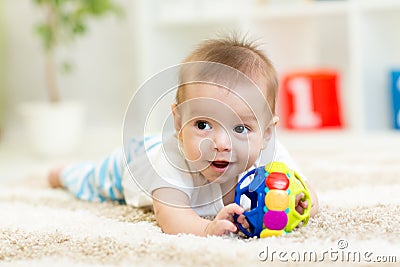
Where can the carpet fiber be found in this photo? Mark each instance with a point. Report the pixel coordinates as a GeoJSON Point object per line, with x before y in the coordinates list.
{"type": "Point", "coordinates": [357, 180]}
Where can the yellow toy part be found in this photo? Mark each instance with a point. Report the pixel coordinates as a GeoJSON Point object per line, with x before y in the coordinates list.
{"type": "Point", "coordinates": [268, 233]}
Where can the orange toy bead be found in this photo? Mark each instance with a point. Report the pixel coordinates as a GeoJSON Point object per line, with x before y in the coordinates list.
{"type": "Point", "coordinates": [277, 200]}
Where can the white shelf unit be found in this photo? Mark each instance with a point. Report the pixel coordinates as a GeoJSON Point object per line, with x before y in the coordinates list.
{"type": "Point", "coordinates": [358, 38]}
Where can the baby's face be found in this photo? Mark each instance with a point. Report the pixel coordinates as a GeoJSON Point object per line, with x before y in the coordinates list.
{"type": "Point", "coordinates": [221, 132]}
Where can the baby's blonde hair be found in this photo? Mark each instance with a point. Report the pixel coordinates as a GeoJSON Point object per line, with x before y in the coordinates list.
{"type": "Point", "coordinates": [240, 54]}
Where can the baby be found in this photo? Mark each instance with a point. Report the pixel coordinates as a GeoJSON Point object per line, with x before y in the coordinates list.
{"type": "Point", "coordinates": [224, 119]}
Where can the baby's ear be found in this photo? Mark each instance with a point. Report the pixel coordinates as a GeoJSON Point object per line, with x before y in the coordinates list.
{"type": "Point", "coordinates": [269, 129]}
{"type": "Point", "coordinates": [177, 117]}
{"type": "Point", "coordinates": [267, 136]}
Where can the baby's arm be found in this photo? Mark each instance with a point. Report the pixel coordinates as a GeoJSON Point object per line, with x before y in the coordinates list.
{"type": "Point", "coordinates": [177, 216]}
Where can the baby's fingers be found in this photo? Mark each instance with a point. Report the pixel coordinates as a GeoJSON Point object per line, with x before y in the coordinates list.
{"type": "Point", "coordinates": [234, 208]}
{"type": "Point", "coordinates": [223, 226]}
{"type": "Point", "coordinates": [242, 220]}
{"type": "Point", "coordinates": [303, 204]}
{"type": "Point", "coordinates": [299, 197]}
{"type": "Point", "coordinates": [299, 209]}
{"type": "Point", "coordinates": [229, 210]}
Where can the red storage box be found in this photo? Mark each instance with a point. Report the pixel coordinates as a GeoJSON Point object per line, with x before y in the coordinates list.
{"type": "Point", "coordinates": [309, 100]}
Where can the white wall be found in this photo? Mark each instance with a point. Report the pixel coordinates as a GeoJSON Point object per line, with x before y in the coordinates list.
{"type": "Point", "coordinates": [119, 54]}
{"type": "Point", "coordinates": [104, 70]}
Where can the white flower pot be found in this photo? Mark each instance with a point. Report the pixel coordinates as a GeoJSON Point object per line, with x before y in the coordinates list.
{"type": "Point", "coordinates": [53, 129]}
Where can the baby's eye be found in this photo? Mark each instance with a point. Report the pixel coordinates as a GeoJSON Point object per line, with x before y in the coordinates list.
{"type": "Point", "coordinates": [241, 129]}
{"type": "Point", "coordinates": [203, 125]}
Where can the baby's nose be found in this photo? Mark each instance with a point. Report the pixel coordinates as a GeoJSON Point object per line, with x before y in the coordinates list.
{"type": "Point", "coordinates": [222, 141]}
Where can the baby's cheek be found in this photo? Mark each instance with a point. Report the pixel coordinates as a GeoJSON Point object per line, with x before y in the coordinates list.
{"type": "Point", "coordinates": [247, 156]}
{"type": "Point", "coordinates": [192, 153]}
{"type": "Point", "coordinates": [254, 153]}
{"type": "Point", "coordinates": [250, 146]}
{"type": "Point", "coordinates": [251, 160]}
{"type": "Point", "coordinates": [192, 150]}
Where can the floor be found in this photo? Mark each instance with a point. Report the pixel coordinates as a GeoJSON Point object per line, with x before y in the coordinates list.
{"type": "Point", "coordinates": [356, 177]}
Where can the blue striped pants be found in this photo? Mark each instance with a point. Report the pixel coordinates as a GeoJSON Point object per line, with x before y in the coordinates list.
{"type": "Point", "coordinates": [101, 181]}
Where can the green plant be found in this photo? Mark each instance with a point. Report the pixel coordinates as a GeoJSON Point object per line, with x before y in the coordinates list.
{"type": "Point", "coordinates": [64, 20]}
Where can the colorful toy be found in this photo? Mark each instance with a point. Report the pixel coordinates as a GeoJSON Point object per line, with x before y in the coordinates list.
{"type": "Point", "coordinates": [272, 194]}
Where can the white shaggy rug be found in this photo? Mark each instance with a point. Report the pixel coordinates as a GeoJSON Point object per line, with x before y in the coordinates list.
{"type": "Point", "coordinates": [357, 179]}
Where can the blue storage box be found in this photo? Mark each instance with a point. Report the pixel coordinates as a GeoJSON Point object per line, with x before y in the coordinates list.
{"type": "Point", "coordinates": [395, 84]}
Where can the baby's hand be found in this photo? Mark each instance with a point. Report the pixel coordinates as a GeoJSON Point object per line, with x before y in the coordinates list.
{"type": "Point", "coordinates": [300, 204]}
{"type": "Point", "coordinates": [224, 221]}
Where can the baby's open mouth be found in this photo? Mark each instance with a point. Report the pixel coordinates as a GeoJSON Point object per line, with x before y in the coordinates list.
{"type": "Point", "coordinates": [220, 164]}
